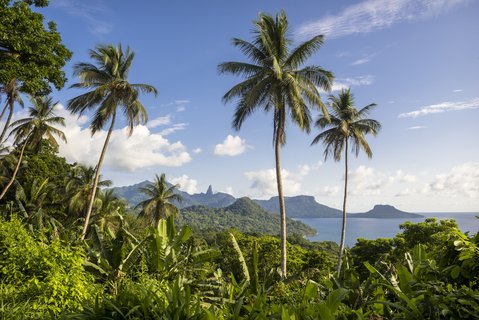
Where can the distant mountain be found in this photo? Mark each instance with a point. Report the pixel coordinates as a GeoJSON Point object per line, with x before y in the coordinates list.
{"type": "Point", "coordinates": [300, 207]}
{"type": "Point", "coordinates": [216, 200]}
{"type": "Point", "coordinates": [244, 214]}
{"type": "Point", "coordinates": [385, 212]}
{"type": "Point", "coordinates": [296, 207]}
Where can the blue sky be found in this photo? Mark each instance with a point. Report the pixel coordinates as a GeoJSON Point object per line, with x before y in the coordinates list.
{"type": "Point", "coordinates": [418, 60]}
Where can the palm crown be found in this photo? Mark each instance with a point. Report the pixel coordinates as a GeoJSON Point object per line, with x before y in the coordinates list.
{"type": "Point", "coordinates": [159, 204]}
{"type": "Point", "coordinates": [346, 123]}
{"type": "Point", "coordinates": [40, 124]}
{"type": "Point", "coordinates": [108, 79]}
{"type": "Point", "coordinates": [274, 77]}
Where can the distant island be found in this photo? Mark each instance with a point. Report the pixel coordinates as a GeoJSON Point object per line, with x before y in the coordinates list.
{"type": "Point", "coordinates": [385, 212]}
{"type": "Point", "coordinates": [301, 206]}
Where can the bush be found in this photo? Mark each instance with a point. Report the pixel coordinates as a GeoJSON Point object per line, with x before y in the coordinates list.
{"type": "Point", "coordinates": [39, 276]}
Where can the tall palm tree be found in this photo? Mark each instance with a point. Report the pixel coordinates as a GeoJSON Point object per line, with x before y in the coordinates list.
{"type": "Point", "coordinates": [345, 124]}
{"type": "Point", "coordinates": [31, 131]}
{"type": "Point", "coordinates": [276, 81]}
{"type": "Point", "coordinates": [110, 89]}
{"type": "Point", "coordinates": [40, 124]}
{"type": "Point", "coordinates": [159, 203]}
{"type": "Point", "coordinates": [12, 92]}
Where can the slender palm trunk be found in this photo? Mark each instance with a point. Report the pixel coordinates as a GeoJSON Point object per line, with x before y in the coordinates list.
{"type": "Point", "coordinates": [3, 110]}
{"type": "Point", "coordinates": [97, 178]}
{"type": "Point", "coordinates": [282, 209]}
{"type": "Point", "coordinates": [343, 229]}
{"type": "Point", "coordinates": [10, 114]}
{"type": "Point", "coordinates": [9, 184]}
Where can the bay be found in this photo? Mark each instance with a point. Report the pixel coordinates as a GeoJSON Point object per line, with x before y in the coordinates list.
{"type": "Point", "coordinates": [329, 229]}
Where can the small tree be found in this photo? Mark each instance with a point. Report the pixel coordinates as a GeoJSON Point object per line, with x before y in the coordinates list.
{"type": "Point", "coordinates": [159, 204]}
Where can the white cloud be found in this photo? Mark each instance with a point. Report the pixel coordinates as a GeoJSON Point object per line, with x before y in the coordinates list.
{"type": "Point", "coordinates": [462, 181]}
{"type": "Point", "coordinates": [305, 169]}
{"type": "Point", "coordinates": [346, 83]}
{"type": "Point", "coordinates": [328, 191]}
{"type": "Point", "coordinates": [231, 146]}
{"type": "Point", "coordinates": [186, 184]}
{"type": "Point", "coordinates": [180, 105]}
{"type": "Point", "coordinates": [228, 190]}
{"type": "Point", "coordinates": [173, 129]}
{"type": "Point", "coordinates": [367, 181]}
{"type": "Point", "coordinates": [143, 149]}
{"type": "Point", "coordinates": [457, 90]}
{"type": "Point", "coordinates": [416, 128]}
{"type": "Point", "coordinates": [442, 107]}
{"type": "Point", "coordinates": [402, 177]}
{"type": "Point", "coordinates": [161, 121]}
{"type": "Point", "coordinates": [264, 185]}
{"type": "Point", "coordinates": [197, 151]}
{"type": "Point", "coordinates": [361, 61]}
{"type": "Point", "coordinates": [367, 16]}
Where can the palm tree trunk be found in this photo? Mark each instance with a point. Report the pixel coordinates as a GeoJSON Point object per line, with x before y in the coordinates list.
{"type": "Point", "coordinates": [343, 228]}
{"type": "Point", "coordinates": [9, 184]}
{"type": "Point", "coordinates": [97, 178]}
{"type": "Point", "coordinates": [3, 110]}
{"type": "Point", "coordinates": [10, 114]}
{"type": "Point", "coordinates": [282, 209]}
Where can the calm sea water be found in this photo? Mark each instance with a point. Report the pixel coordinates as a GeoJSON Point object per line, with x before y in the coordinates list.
{"type": "Point", "coordinates": [329, 229]}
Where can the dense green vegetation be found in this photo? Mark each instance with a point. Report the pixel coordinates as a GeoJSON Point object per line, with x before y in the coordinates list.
{"type": "Point", "coordinates": [71, 250]}
{"type": "Point", "coordinates": [244, 214]}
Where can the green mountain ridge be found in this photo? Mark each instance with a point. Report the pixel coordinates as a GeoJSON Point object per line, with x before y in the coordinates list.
{"type": "Point", "coordinates": [301, 206]}
{"type": "Point", "coordinates": [244, 214]}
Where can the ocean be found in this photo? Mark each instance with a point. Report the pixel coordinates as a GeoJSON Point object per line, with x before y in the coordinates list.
{"type": "Point", "coordinates": [329, 229]}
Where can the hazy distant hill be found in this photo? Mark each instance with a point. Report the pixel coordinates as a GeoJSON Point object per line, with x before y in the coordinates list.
{"type": "Point", "coordinates": [244, 214]}
{"type": "Point", "coordinates": [385, 212]}
{"type": "Point", "coordinates": [300, 207]}
{"type": "Point", "coordinates": [296, 207]}
{"type": "Point", "coordinates": [210, 199]}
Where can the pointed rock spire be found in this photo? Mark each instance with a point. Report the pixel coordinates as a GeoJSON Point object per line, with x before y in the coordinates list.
{"type": "Point", "coordinates": [209, 192]}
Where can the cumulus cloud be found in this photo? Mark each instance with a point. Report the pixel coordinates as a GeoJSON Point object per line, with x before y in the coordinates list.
{"type": "Point", "coordinates": [186, 184]}
{"type": "Point", "coordinates": [442, 107]}
{"type": "Point", "coordinates": [367, 181]}
{"type": "Point", "coordinates": [370, 15]}
{"type": "Point", "coordinates": [457, 90]}
{"type": "Point", "coordinates": [231, 146]}
{"type": "Point", "coordinates": [197, 150]}
{"type": "Point", "coordinates": [402, 177]}
{"type": "Point", "coordinates": [143, 149]}
{"type": "Point", "coordinates": [328, 191]}
{"type": "Point", "coordinates": [263, 182]}
{"type": "Point", "coordinates": [462, 181]}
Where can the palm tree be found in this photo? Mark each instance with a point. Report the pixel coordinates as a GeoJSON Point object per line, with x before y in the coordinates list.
{"type": "Point", "coordinates": [345, 124]}
{"type": "Point", "coordinates": [159, 204]}
{"type": "Point", "coordinates": [276, 81]}
{"type": "Point", "coordinates": [40, 124]}
{"type": "Point", "coordinates": [12, 92]}
{"type": "Point", "coordinates": [33, 129]}
{"type": "Point", "coordinates": [79, 188]}
{"type": "Point", "coordinates": [110, 89]}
